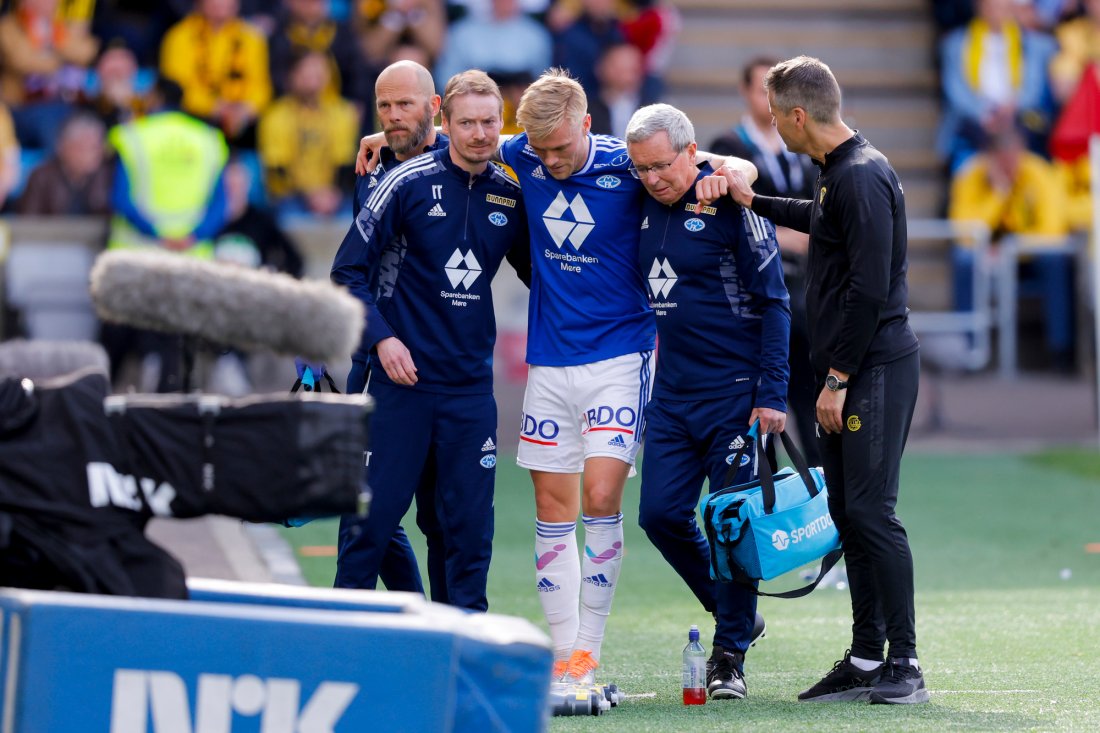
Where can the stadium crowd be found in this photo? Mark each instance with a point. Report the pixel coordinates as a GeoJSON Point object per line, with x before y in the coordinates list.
{"type": "Point", "coordinates": [288, 84]}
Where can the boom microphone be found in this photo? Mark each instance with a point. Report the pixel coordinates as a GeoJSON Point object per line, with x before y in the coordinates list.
{"type": "Point", "coordinates": [38, 360]}
{"type": "Point", "coordinates": [225, 304]}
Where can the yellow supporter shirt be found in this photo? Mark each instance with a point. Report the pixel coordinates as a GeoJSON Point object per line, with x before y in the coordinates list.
{"type": "Point", "coordinates": [228, 64]}
{"type": "Point", "coordinates": [302, 148]}
{"type": "Point", "coordinates": [1036, 203]}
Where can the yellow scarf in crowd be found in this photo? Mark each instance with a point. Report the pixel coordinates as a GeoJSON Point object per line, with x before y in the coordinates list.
{"type": "Point", "coordinates": [972, 54]}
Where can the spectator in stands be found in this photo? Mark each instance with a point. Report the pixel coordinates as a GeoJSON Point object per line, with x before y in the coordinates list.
{"type": "Point", "coordinates": [307, 143]}
{"type": "Point", "coordinates": [504, 40]}
{"type": "Point", "coordinates": [790, 175]}
{"type": "Point", "coordinates": [251, 237]}
{"type": "Point", "coordinates": [621, 78]}
{"type": "Point", "coordinates": [1079, 46]}
{"type": "Point", "coordinates": [308, 26]}
{"type": "Point", "coordinates": [221, 62]}
{"type": "Point", "coordinates": [76, 179]}
{"type": "Point", "coordinates": [578, 45]}
{"type": "Point", "coordinates": [651, 26]}
{"type": "Point", "coordinates": [385, 24]}
{"type": "Point", "coordinates": [9, 155]}
{"type": "Point", "coordinates": [116, 98]}
{"type": "Point", "coordinates": [44, 62]}
{"type": "Point", "coordinates": [1014, 191]}
{"type": "Point", "coordinates": [168, 192]}
{"type": "Point", "coordinates": [994, 72]}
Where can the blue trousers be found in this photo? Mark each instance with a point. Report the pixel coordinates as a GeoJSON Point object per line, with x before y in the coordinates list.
{"type": "Point", "coordinates": [399, 569]}
{"type": "Point", "coordinates": [423, 441]}
{"type": "Point", "coordinates": [687, 442]}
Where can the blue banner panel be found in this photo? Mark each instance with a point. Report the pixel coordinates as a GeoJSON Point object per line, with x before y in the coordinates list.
{"type": "Point", "coordinates": [96, 663]}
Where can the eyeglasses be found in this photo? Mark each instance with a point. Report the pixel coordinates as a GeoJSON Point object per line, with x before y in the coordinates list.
{"type": "Point", "coordinates": [640, 171]}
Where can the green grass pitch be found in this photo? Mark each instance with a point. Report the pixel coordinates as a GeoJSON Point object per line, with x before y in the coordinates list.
{"type": "Point", "coordinates": [1008, 608]}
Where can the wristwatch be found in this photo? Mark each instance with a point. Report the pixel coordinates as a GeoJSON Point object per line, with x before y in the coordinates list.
{"type": "Point", "coordinates": [833, 383]}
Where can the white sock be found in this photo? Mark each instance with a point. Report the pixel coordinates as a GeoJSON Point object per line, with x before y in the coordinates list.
{"type": "Point", "coordinates": [864, 664]}
{"type": "Point", "coordinates": [558, 580]}
{"type": "Point", "coordinates": [603, 557]}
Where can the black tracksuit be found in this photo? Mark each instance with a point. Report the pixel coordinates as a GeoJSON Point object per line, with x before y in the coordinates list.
{"type": "Point", "coordinates": [856, 298]}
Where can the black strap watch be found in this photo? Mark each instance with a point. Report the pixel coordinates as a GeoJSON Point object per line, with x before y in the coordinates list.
{"type": "Point", "coordinates": [834, 384]}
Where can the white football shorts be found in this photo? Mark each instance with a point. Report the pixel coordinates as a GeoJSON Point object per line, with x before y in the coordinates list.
{"type": "Point", "coordinates": [572, 413]}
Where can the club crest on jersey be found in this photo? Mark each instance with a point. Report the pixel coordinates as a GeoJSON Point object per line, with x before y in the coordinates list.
{"type": "Point", "coordinates": [694, 224]}
{"type": "Point", "coordinates": [744, 459]}
{"type": "Point", "coordinates": [608, 182]}
{"type": "Point", "coordinates": [497, 218]}
{"type": "Point", "coordinates": [488, 461]}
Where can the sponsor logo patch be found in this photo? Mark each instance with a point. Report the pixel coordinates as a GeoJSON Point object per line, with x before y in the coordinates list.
{"type": "Point", "coordinates": [661, 278]}
{"type": "Point", "coordinates": [494, 199]}
{"type": "Point", "coordinates": [599, 580]}
{"type": "Point", "coordinates": [437, 210]}
{"type": "Point", "coordinates": [617, 442]}
{"type": "Point", "coordinates": [562, 229]}
{"type": "Point", "coordinates": [709, 210]}
{"type": "Point", "coordinates": [488, 445]}
{"type": "Point", "coordinates": [854, 423]}
{"type": "Point", "coordinates": [462, 268]}
{"type": "Point", "coordinates": [545, 586]}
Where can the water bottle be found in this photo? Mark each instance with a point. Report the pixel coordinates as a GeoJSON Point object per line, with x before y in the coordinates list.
{"type": "Point", "coordinates": [695, 670]}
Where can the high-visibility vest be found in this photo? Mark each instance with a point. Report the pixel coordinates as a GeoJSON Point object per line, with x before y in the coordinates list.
{"type": "Point", "coordinates": [172, 162]}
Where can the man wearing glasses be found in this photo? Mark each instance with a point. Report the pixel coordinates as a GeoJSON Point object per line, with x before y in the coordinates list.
{"type": "Point", "coordinates": [723, 318]}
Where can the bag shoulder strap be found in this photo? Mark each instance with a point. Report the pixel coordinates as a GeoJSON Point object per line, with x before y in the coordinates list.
{"type": "Point", "coordinates": [827, 564]}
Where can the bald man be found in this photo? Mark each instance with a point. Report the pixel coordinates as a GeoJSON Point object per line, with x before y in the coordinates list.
{"type": "Point", "coordinates": [407, 104]}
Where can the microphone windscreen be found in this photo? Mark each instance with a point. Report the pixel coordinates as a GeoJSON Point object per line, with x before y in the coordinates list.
{"type": "Point", "coordinates": [226, 304]}
{"type": "Point", "coordinates": [40, 360]}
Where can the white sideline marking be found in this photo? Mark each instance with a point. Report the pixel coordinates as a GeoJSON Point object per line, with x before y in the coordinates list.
{"type": "Point", "coordinates": [984, 692]}
{"type": "Point", "coordinates": [639, 695]}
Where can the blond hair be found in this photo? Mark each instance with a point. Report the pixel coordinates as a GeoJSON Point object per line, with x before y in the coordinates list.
{"type": "Point", "coordinates": [473, 81]}
{"type": "Point", "coordinates": [551, 100]}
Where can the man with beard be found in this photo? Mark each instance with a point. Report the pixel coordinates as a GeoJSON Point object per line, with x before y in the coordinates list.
{"type": "Point", "coordinates": [430, 336]}
{"type": "Point", "coordinates": [407, 105]}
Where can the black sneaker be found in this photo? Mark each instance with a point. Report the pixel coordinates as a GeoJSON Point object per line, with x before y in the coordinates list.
{"type": "Point", "coordinates": [900, 684]}
{"type": "Point", "coordinates": [725, 675]}
{"type": "Point", "coordinates": [845, 681]}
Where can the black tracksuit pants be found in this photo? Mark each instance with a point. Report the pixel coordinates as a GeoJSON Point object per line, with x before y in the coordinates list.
{"type": "Point", "coordinates": [862, 466]}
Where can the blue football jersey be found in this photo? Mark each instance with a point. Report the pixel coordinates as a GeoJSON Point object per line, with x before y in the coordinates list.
{"type": "Point", "coordinates": [387, 161]}
{"type": "Point", "coordinates": [588, 299]}
{"type": "Point", "coordinates": [723, 313]}
{"type": "Point", "coordinates": [421, 255]}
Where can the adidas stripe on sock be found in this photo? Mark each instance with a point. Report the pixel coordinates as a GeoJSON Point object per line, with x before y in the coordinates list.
{"type": "Point", "coordinates": [558, 580]}
{"type": "Point", "coordinates": [603, 557]}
